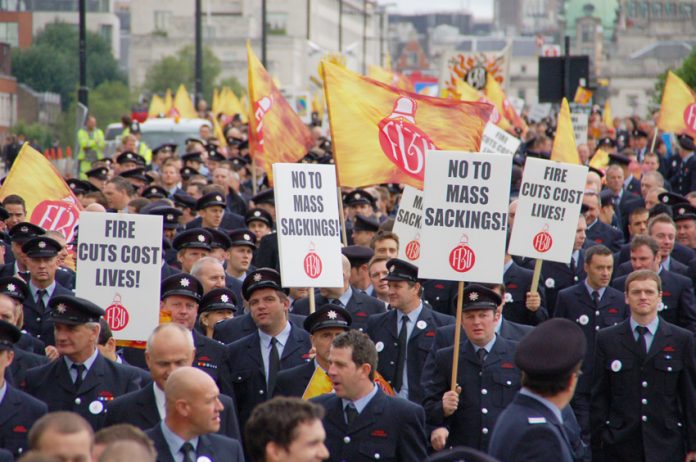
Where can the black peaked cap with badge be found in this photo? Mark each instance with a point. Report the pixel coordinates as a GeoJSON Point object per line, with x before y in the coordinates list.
{"type": "Point", "coordinates": [192, 157]}
{"type": "Point", "coordinates": [183, 200]}
{"type": "Point", "coordinates": [196, 238]}
{"type": "Point", "coordinates": [241, 236]}
{"type": "Point", "coordinates": [357, 254]}
{"type": "Point", "coordinates": [130, 156]}
{"type": "Point", "coordinates": [68, 309]}
{"type": "Point", "coordinates": [684, 211]}
{"type": "Point", "coordinates": [220, 239]}
{"type": "Point", "coordinates": [14, 287]}
{"type": "Point", "coordinates": [400, 270]}
{"type": "Point", "coordinates": [80, 186]}
{"type": "Point", "coordinates": [154, 192]}
{"type": "Point", "coordinates": [211, 200]}
{"type": "Point", "coordinates": [188, 172]}
{"type": "Point", "coordinates": [219, 299]}
{"type": "Point", "coordinates": [363, 223]}
{"type": "Point", "coordinates": [326, 316]}
{"type": "Point", "coordinates": [357, 197]}
{"type": "Point", "coordinates": [552, 349]}
{"type": "Point", "coordinates": [264, 197]}
{"type": "Point", "coordinates": [41, 247]}
{"type": "Point", "coordinates": [478, 297]}
{"type": "Point", "coordinates": [9, 335]}
{"type": "Point", "coordinates": [22, 232]}
{"type": "Point", "coordinates": [262, 278]}
{"type": "Point", "coordinates": [182, 284]}
{"type": "Point", "coordinates": [137, 173]}
{"type": "Point", "coordinates": [669, 198]}
{"type": "Point", "coordinates": [259, 215]}
{"type": "Point", "coordinates": [618, 159]}
{"type": "Point", "coordinates": [170, 216]}
{"type": "Point", "coordinates": [100, 173]}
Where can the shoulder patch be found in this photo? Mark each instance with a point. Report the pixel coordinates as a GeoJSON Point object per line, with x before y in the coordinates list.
{"type": "Point", "coordinates": [537, 420]}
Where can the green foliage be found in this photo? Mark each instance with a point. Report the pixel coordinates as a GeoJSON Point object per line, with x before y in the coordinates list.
{"type": "Point", "coordinates": [234, 84]}
{"type": "Point", "coordinates": [109, 101]}
{"type": "Point", "coordinates": [52, 62]}
{"type": "Point", "coordinates": [172, 71]}
{"type": "Point", "coordinates": [687, 72]}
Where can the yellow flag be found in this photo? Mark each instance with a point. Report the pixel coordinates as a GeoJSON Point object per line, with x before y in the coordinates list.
{"type": "Point", "coordinates": [468, 93]}
{"type": "Point", "coordinates": [318, 385]}
{"type": "Point", "coordinates": [168, 101]}
{"type": "Point", "coordinates": [50, 203]}
{"type": "Point", "coordinates": [219, 134]}
{"type": "Point", "coordinates": [582, 95]}
{"type": "Point", "coordinates": [564, 147]}
{"type": "Point", "coordinates": [607, 117]}
{"type": "Point", "coordinates": [600, 160]}
{"type": "Point", "coordinates": [496, 95]}
{"type": "Point", "coordinates": [388, 77]}
{"type": "Point", "coordinates": [215, 106]}
{"type": "Point", "coordinates": [157, 107]}
{"type": "Point", "coordinates": [276, 133]}
{"type": "Point", "coordinates": [183, 104]}
{"type": "Point", "coordinates": [678, 108]}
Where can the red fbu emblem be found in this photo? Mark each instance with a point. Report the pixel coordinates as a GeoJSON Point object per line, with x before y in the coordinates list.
{"type": "Point", "coordinates": [412, 249]}
{"type": "Point", "coordinates": [312, 263]}
{"type": "Point", "coordinates": [690, 117]}
{"type": "Point", "coordinates": [261, 107]}
{"type": "Point", "coordinates": [462, 257]}
{"type": "Point", "coordinates": [542, 241]}
{"type": "Point", "coordinates": [116, 315]}
{"type": "Point", "coordinates": [402, 142]}
{"type": "Point", "coordinates": [56, 215]}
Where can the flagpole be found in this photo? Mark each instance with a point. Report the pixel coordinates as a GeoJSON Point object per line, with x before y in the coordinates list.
{"type": "Point", "coordinates": [654, 140]}
{"type": "Point", "coordinates": [312, 301]}
{"type": "Point", "coordinates": [457, 336]}
{"type": "Point", "coordinates": [344, 235]}
{"type": "Point", "coordinates": [536, 275]}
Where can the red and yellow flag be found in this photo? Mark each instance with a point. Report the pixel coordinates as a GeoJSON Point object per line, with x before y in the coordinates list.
{"type": "Point", "coordinates": [468, 93]}
{"type": "Point", "coordinates": [582, 95]}
{"type": "Point", "coordinates": [276, 133]}
{"type": "Point", "coordinates": [50, 202]}
{"type": "Point", "coordinates": [320, 384]}
{"type": "Point", "coordinates": [380, 133]}
{"type": "Point", "coordinates": [564, 147]}
{"type": "Point", "coordinates": [678, 108]}
{"type": "Point", "coordinates": [389, 77]}
{"type": "Point", "coordinates": [495, 93]}
{"type": "Point", "coordinates": [600, 160]}
{"type": "Point", "coordinates": [607, 116]}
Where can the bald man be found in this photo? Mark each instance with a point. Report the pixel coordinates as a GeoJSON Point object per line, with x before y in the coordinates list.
{"type": "Point", "coordinates": [169, 348]}
{"type": "Point", "coordinates": [192, 417]}
{"type": "Point", "coordinates": [358, 304]}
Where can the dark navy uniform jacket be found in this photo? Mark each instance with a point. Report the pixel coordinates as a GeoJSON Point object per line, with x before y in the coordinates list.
{"type": "Point", "coordinates": [211, 447]}
{"type": "Point", "coordinates": [18, 412]}
{"type": "Point", "coordinates": [575, 303]}
{"type": "Point", "coordinates": [294, 381]}
{"type": "Point", "coordinates": [23, 361]}
{"type": "Point", "coordinates": [105, 380]}
{"type": "Point", "coordinates": [486, 390]}
{"type": "Point", "coordinates": [678, 305]}
{"type": "Point", "coordinates": [28, 342]}
{"type": "Point", "coordinates": [681, 253]}
{"type": "Point", "coordinates": [229, 221]}
{"type": "Point", "coordinates": [684, 180]}
{"type": "Point", "coordinates": [138, 408]}
{"type": "Point", "coordinates": [441, 295]}
{"type": "Point", "coordinates": [602, 233]}
{"type": "Point", "coordinates": [39, 324]}
{"type": "Point", "coordinates": [360, 307]}
{"type": "Point", "coordinates": [382, 329]}
{"type": "Point", "coordinates": [242, 374]}
{"type": "Point", "coordinates": [231, 330]}
{"type": "Point", "coordinates": [528, 431]}
{"type": "Point", "coordinates": [388, 429]}
{"type": "Point", "coordinates": [518, 281]}
{"type": "Point", "coordinates": [652, 398]}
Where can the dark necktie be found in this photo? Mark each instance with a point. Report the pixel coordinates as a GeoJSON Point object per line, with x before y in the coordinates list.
{"type": "Point", "coordinates": [595, 298]}
{"type": "Point", "coordinates": [401, 356]}
{"type": "Point", "coordinates": [351, 413]}
{"type": "Point", "coordinates": [273, 365]}
{"type": "Point", "coordinates": [79, 368]}
{"type": "Point", "coordinates": [40, 300]}
{"type": "Point", "coordinates": [337, 302]}
{"type": "Point", "coordinates": [188, 452]}
{"type": "Point", "coordinates": [482, 354]}
{"type": "Point", "coordinates": [642, 343]}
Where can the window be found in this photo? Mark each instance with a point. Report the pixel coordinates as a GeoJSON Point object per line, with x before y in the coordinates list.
{"type": "Point", "coordinates": [162, 19]}
{"type": "Point", "coordinates": [106, 30]}
{"type": "Point", "coordinates": [277, 23]}
{"type": "Point", "coordinates": [686, 11]}
{"type": "Point", "coordinates": [656, 11]}
{"type": "Point", "coordinates": [586, 33]}
{"type": "Point", "coordinates": [9, 33]}
{"type": "Point", "coordinates": [670, 10]}
{"type": "Point", "coordinates": [523, 69]}
{"type": "Point", "coordinates": [632, 9]}
{"type": "Point", "coordinates": [644, 10]}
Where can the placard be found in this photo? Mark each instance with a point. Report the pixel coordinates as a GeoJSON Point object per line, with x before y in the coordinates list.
{"type": "Point", "coordinates": [119, 261]}
{"type": "Point", "coordinates": [465, 212]}
{"type": "Point", "coordinates": [495, 139]}
{"type": "Point", "coordinates": [308, 225]}
{"type": "Point", "coordinates": [407, 224]}
{"type": "Point", "coordinates": [539, 111]}
{"type": "Point", "coordinates": [547, 213]}
{"type": "Point", "coordinates": [581, 122]}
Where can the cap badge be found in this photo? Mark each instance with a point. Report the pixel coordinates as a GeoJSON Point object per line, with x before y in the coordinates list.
{"type": "Point", "coordinates": [257, 214]}
{"type": "Point", "coordinates": [473, 296]}
{"type": "Point", "coordinates": [184, 282]}
{"type": "Point", "coordinates": [332, 314]}
{"type": "Point", "coordinates": [11, 287]}
{"type": "Point", "coordinates": [61, 308]}
{"type": "Point", "coordinates": [616, 365]}
{"type": "Point", "coordinates": [665, 199]}
{"type": "Point", "coordinates": [681, 211]}
{"type": "Point", "coordinates": [257, 277]}
{"type": "Point", "coordinates": [170, 217]}
{"type": "Point", "coordinates": [247, 237]}
{"type": "Point", "coordinates": [218, 198]}
{"type": "Point", "coordinates": [201, 238]}
{"type": "Point", "coordinates": [224, 298]}
{"type": "Point", "coordinates": [392, 268]}
{"type": "Point", "coordinates": [24, 229]}
{"type": "Point", "coordinates": [41, 244]}
{"type": "Point", "coordinates": [357, 195]}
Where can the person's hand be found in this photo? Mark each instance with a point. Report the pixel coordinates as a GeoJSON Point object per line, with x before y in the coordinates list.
{"type": "Point", "coordinates": [690, 457]}
{"type": "Point", "coordinates": [438, 438]}
{"type": "Point", "coordinates": [533, 301]}
{"type": "Point", "coordinates": [312, 353]}
{"type": "Point", "coordinates": [51, 352]}
{"type": "Point", "coordinates": [450, 401]}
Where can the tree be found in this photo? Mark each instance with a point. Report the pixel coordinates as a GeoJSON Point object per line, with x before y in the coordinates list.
{"type": "Point", "coordinates": [52, 62]}
{"type": "Point", "coordinates": [109, 101]}
{"type": "Point", "coordinates": [172, 71]}
{"type": "Point", "coordinates": [233, 84]}
{"type": "Point", "coordinates": [687, 72]}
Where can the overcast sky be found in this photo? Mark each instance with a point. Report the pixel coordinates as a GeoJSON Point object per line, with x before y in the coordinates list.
{"type": "Point", "coordinates": [482, 9]}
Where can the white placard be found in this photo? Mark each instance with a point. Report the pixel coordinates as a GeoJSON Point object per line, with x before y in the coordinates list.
{"type": "Point", "coordinates": [517, 103]}
{"type": "Point", "coordinates": [407, 224]}
{"type": "Point", "coordinates": [495, 139]}
{"type": "Point", "coordinates": [539, 111]}
{"type": "Point", "coordinates": [119, 261]}
{"type": "Point", "coordinates": [580, 121]}
{"type": "Point", "coordinates": [465, 211]}
{"type": "Point", "coordinates": [308, 225]}
{"type": "Point", "coordinates": [548, 210]}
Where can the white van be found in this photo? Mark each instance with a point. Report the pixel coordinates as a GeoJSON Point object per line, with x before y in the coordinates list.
{"type": "Point", "coordinates": [156, 132]}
